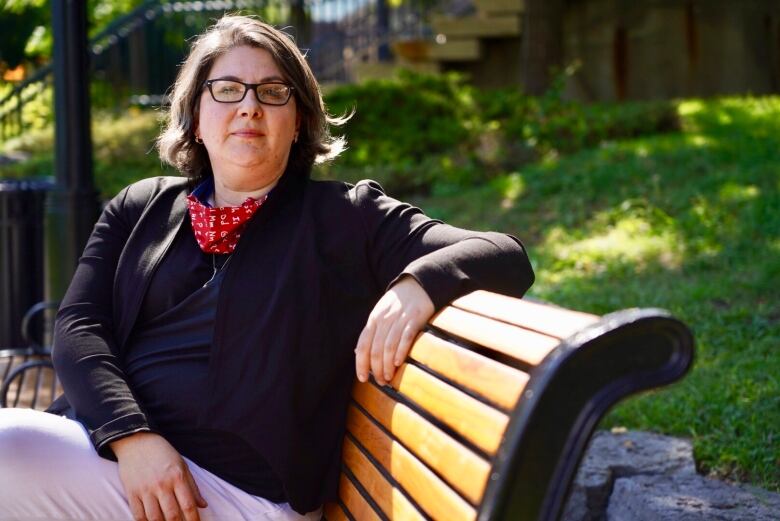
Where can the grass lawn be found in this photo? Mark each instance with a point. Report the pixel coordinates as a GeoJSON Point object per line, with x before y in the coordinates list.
{"type": "Point", "coordinates": [689, 222]}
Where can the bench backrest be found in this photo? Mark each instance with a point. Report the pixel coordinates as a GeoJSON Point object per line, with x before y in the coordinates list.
{"type": "Point", "coordinates": [491, 413]}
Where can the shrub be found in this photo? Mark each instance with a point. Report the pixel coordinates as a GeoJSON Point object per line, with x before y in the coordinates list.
{"type": "Point", "coordinates": [408, 133]}
{"type": "Point", "coordinates": [553, 124]}
{"type": "Point", "coordinates": [407, 118]}
{"type": "Point", "coordinates": [415, 131]}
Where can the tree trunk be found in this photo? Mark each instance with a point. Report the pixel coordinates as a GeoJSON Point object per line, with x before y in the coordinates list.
{"type": "Point", "coordinates": [542, 43]}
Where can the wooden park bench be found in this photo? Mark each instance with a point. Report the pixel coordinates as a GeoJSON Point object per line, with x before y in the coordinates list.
{"type": "Point", "coordinates": [491, 414]}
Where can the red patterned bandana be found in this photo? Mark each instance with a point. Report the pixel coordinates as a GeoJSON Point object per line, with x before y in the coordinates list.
{"type": "Point", "coordinates": [217, 230]}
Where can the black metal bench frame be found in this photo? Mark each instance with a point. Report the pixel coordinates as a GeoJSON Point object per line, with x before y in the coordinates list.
{"type": "Point", "coordinates": [624, 353]}
{"type": "Point", "coordinates": [14, 376]}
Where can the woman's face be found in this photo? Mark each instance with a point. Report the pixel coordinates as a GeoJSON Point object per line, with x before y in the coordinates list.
{"type": "Point", "coordinates": [248, 143]}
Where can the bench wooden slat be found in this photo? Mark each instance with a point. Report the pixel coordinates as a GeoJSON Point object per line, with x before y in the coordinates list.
{"type": "Point", "coordinates": [392, 502]}
{"type": "Point", "coordinates": [355, 502]}
{"type": "Point", "coordinates": [492, 380]}
{"type": "Point", "coordinates": [479, 423]}
{"type": "Point", "coordinates": [550, 320]}
{"type": "Point", "coordinates": [333, 512]}
{"type": "Point", "coordinates": [427, 489]}
{"type": "Point", "coordinates": [461, 468]}
{"type": "Point", "coordinates": [527, 346]}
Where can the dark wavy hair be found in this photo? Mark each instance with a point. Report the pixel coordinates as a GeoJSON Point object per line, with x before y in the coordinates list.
{"type": "Point", "coordinates": [176, 143]}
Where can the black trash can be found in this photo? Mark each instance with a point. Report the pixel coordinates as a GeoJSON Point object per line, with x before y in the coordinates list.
{"type": "Point", "coordinates": [21, 253]}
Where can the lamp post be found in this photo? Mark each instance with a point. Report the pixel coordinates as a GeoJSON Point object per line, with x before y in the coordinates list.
{"type": "Point", "coordinates": [72, 207]}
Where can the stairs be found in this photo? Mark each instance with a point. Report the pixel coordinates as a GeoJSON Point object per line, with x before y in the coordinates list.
{"type": "Point", "coordinates": [484, 44]}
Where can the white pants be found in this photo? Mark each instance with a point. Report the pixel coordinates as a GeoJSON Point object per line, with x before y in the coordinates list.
{"type": "Point", "coordinates": [49, 470]}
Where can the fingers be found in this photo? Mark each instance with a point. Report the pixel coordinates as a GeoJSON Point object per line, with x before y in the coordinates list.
{"type": "Point", "coordinates": [137, 509]}
{"type": "Point", "coordinates": [362, 352]}
{"type": "Point", "coordinates": [384, 344]}
{"type": "Point", "coordinates": [389, 347]}
{"type": "Point", "coordinates": [369, 354]}
{"type": "Point", "coordinates": [408, 337]}
{"type": "Point", "coordinates": [200, 501]}
{"type": "Point", "coordinates": [384, 321]}
{"type": "Point", "coordinates": [187, 499]}
{"type": "Point", "coordinates": [169, 506]}
{"type": "Point", "coordinates": [391, 329]}
{"type": "Point", "coordinates": [175, 498]}
{"type": "Point", "coordinates": [152, 510]}
{"type": "Point", "coordinates": [179, 504]}
{"type": "Point", "coordinates": [157, 481]}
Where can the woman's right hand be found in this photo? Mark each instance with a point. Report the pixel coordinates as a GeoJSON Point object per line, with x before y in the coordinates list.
{"type": "Point", "coordinates": [157, 481]}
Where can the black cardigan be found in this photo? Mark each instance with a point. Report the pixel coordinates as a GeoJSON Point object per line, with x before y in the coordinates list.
{"type": "Point", "coordinates": [308, 270]}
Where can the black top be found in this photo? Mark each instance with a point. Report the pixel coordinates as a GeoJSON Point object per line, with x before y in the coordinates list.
{"type": "Point", "coordinates": [307, 272]}
{"type": "Point", "coordinates": [167, 362]}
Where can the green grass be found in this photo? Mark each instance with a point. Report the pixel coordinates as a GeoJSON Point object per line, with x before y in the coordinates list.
{"type": "Point", "coordinates": [689, 222]}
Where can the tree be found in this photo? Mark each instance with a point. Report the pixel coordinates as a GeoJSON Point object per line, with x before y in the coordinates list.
{"type": "Point", "coordinates": [26, 28]}
{"type": "Point", "coordinates": [542, 50]}
{"type": "Point", "coordinates": [18, 22]}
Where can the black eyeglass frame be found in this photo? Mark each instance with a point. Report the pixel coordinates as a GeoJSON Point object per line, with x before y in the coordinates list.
{"type": "Point", "coordinates": [247, 87]}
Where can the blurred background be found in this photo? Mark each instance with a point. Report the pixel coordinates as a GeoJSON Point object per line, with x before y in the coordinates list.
{"type": "Point", "coordinates": [633, 145]}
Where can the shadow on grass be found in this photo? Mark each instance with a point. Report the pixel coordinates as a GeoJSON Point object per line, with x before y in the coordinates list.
{"type": "Point", "coordinates": [689, 222]}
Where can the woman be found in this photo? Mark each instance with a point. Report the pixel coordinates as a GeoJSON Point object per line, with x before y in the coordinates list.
{"type": "Point", "coordinates": [209, 337]}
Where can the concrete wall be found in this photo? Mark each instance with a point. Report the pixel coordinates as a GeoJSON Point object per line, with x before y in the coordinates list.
{"type": "Point", "coordinates": [498, 67]}
{"type": "Point", "coordinates": [645, 49]}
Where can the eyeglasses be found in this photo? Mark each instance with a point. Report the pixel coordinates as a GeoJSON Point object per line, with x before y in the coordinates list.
{"type": "Point", "coordinates": [232, 91]}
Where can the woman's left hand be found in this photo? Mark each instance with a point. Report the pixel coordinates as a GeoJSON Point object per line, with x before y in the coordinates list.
{"type": "Point", "coordinates": [392, 326]}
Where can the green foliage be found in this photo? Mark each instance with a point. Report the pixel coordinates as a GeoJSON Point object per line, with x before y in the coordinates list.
{"type": "Point", "coordinates": [37, 113]}
{"type": "Point", "coordinates": [102, 12]}
{"type": "Point", "coordinates": [689, 222]}
{"type": "Point", "coordinates": [26, 26]}
{"type": "Point", "coordinates": [18, 21]}
{"type": "Point", "coordinates": [550, 124]}
{"type": "Point", "coordinates": [418, 133]}
{"type": "Point", "coordinates": [123, 151]}
{"type": "Point", "coordinates": [411, 117]}
{"type": "Point", "coordinates": [406, 131]}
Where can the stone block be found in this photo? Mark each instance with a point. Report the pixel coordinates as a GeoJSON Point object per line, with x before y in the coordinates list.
{"type": "Point", "coordinates": [612, 455]}
{"type": "Point", "coordinates": [689, 497]}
